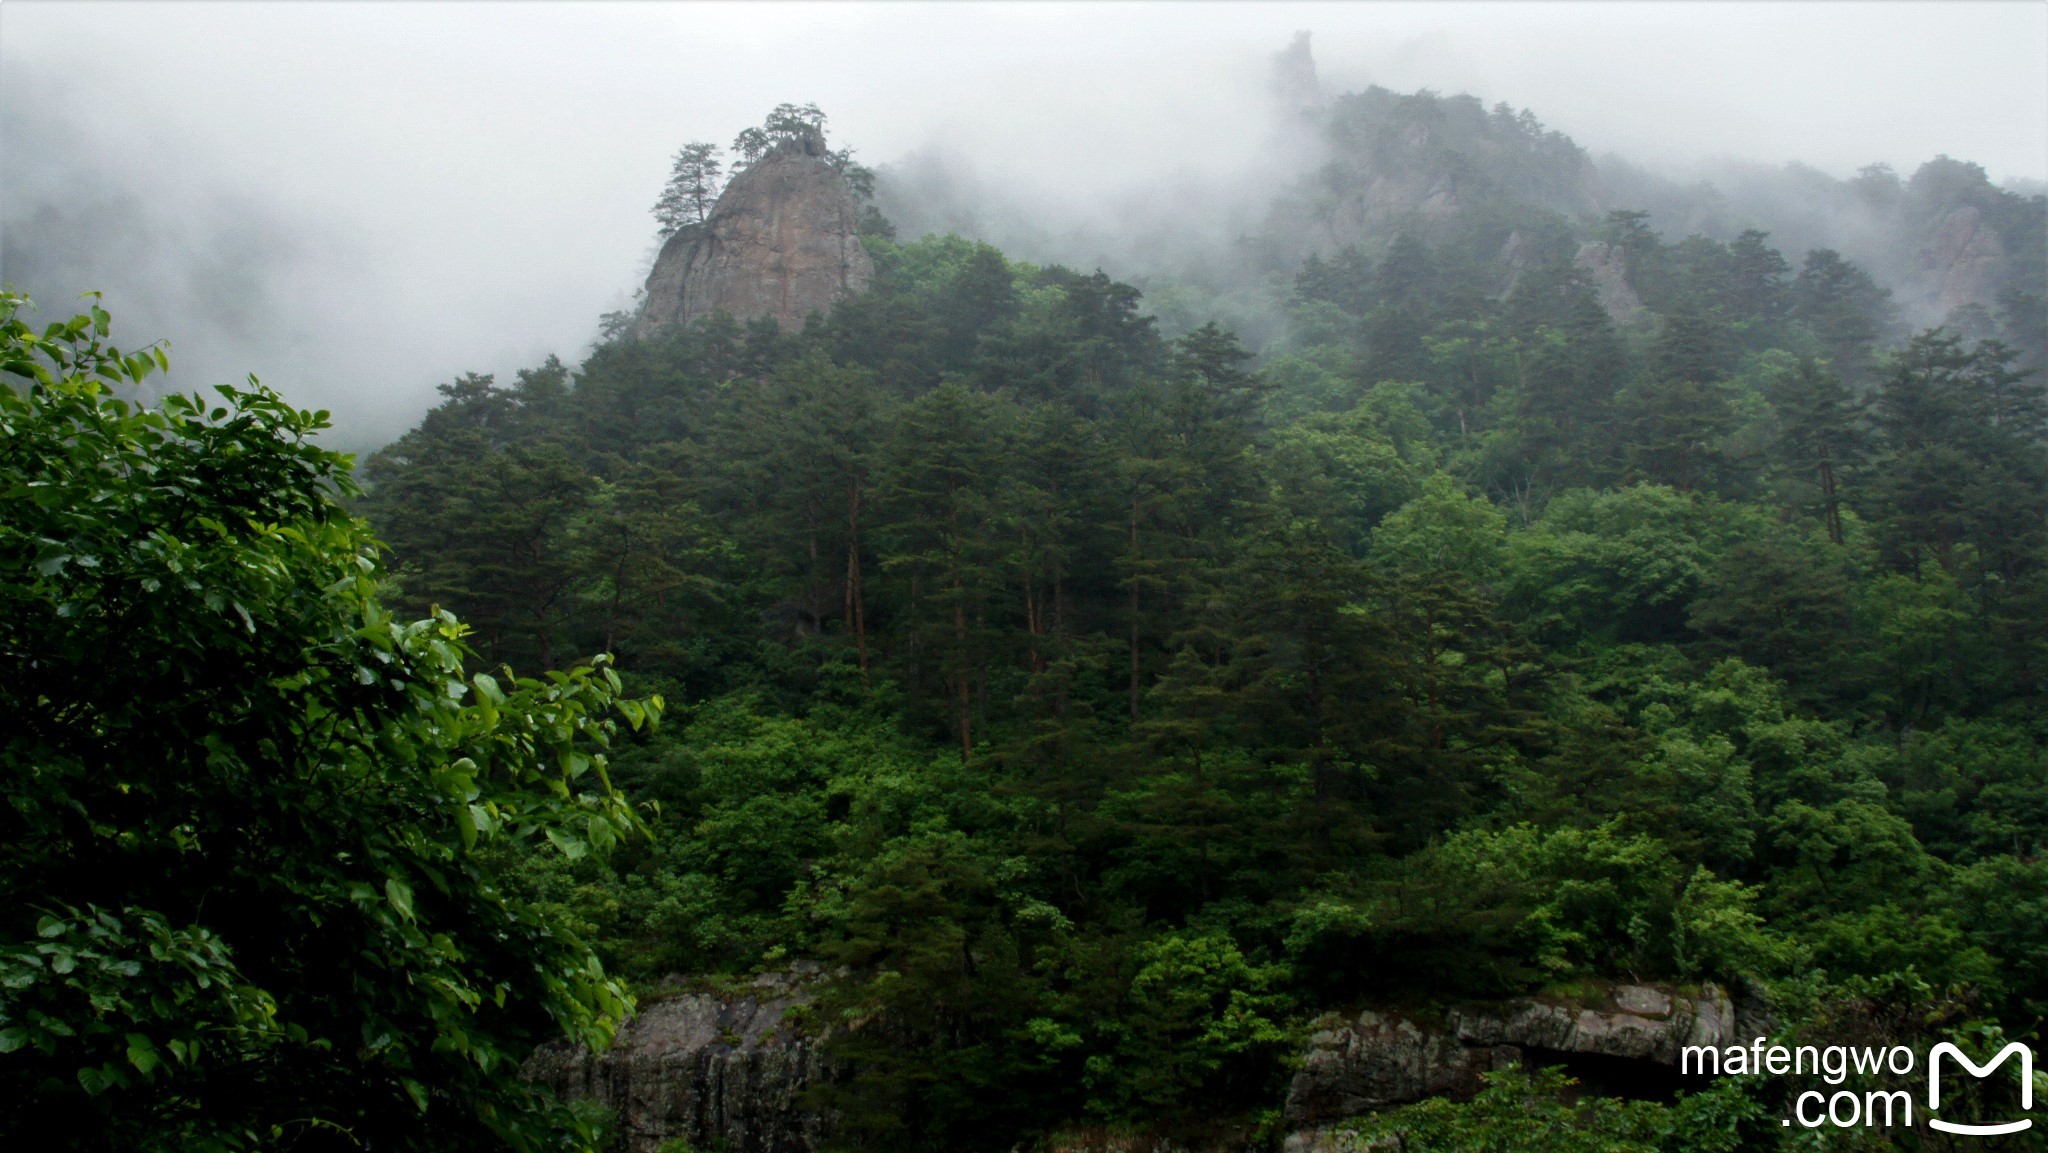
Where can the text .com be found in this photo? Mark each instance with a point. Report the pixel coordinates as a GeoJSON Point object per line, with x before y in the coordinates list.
{"type": "Point", "coordinates": [1848, 1108]}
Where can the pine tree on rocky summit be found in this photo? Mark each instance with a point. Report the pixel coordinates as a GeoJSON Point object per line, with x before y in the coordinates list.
{"type": "Point", "coordinates": [693, 185]}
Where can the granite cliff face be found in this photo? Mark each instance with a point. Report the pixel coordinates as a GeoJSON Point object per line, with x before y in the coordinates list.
{"type": "Point", "coordinates": [722, 1072]}
{"type": "Point", "coordinates": [783, 241]}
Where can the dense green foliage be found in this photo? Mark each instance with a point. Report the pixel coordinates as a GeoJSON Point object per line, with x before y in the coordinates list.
{"type": "Point", "coordinates": [1098, 706]}
{"type": "Point", "coordinates": [245, 893]}
{"type": "Point", "coordinates": [1520, 1112]}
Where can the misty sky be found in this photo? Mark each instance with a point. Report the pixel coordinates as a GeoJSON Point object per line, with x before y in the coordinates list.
{"type": "Point", "coordinates": [359, 201]}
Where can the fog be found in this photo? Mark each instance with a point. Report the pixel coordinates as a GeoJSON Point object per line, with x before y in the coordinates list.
{"type": "Point", "coordinates": [356, 202]}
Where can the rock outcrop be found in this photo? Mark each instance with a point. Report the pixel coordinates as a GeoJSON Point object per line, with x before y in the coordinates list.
{"type": "Point", "coordinates": [1422, 164]}
{"type": "Point", "coordinates": [1516, 254]}
{"type": "Point", "coordinates": [1606, 265]}
{"type": "Point", "coordinates": [1962, 263]}
{"type": "Point", "coordinates": [1296, 88]}
{"type": "Point", "coordinates": [722, 1072]}
{"type": "Point", "coordinates": [1375, 1060]}
{"type": "Point", "coordinates": [782, 241]}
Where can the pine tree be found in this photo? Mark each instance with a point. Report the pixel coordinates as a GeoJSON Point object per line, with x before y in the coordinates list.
{"type": "Point", "coordinates": [1344, 280]}
{"type": "Point", "coordinates": [1692, 345]}
{"type": "Point", "coordinates": [940, 479]}
{"type": "Point", "coordinates": [1671, 429]}
{"type": "Point", "coordinates": [1758, 293]}
{"type": "Point", "coordinates": [693, 185]}
{"type": "Point", "coordinates": [797, 476]}
{"type": "Point", "coordinates": [1845, 309]}
{"type": "Point", "coordinates": [1821, 434]}
{"type": "Point", "coordinates": [1566, 399]}
{"type": "Point", "coordinates": [1401, 312]}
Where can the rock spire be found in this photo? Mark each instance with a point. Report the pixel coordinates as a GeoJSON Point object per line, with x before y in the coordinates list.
{"type": "Point", "coordinates": [783, 241]}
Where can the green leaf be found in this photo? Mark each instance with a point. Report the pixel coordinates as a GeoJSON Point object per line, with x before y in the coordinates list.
{"type": "Point", "coordinates": [400, 895]}
{"type": "Point", "coordinates": [142, 1054]}
{"type": "Point", "coordinates": [465, 824]}
{"type": "Point", "coordinates": [95, 1080]}
{"type": "Point", "coordinates": [487, 685]}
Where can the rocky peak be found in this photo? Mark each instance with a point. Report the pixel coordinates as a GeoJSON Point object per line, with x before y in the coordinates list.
{"type": "Point", "coordinates": [783, 241]}
{"type": "Point", "coordinates": [1296, 87]}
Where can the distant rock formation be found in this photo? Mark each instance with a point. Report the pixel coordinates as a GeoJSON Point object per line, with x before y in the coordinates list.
{"type": "Point", "coordinates": [783, 241]}
{"type": "Point", "coordinates": [1420, 163]}
{"type": "Point", "coordinates": [724, 1071]}
{"type": "Point", "coordinates": [1296, 88]}
{"type": "Point", "coordinates": [1606, 265]}
{"type": "Point", "coordinates": [1962, 263]}
{"type": "Point", "coordinates": [1516, 255]}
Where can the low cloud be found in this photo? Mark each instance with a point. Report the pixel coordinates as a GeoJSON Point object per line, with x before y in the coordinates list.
{"type": "Point", "coordinates": [358, 201]}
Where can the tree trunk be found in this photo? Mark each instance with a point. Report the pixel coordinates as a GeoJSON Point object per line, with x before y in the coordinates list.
{"type": "Point", "coordinates": [1134, 610]}
{"type": "Point", "coordinates": [811, 581]}
{"type": "Point", "coordinates": [1031, 613]}
{"type": "Point", "coordinates": [1833, 503]}
{"type": "Point", "coordinates": [960, 678]}
{"type": "Point", "coordinates": [962, 693]}
{"type": "Point", "coordinates": [856, 612]}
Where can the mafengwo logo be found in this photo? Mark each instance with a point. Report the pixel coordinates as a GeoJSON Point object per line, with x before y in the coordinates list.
{"type": "Point", "coordinates": [1846, 1108]}
{"type": "Point", "coordinates": [2026, 1072]}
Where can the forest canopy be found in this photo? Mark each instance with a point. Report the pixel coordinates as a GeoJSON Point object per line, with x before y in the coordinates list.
{"type": "Point", "coordinates": [1100, 705]}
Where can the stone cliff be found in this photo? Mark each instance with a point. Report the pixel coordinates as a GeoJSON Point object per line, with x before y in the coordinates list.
{"type": "Point", "coordinates": [1627, 1041]}
{"type": "Point", "coordinates": [783, 241]}
{"type": "Point", "coordinates": [1606, 265]}
{"type": "Point", "coordinates": [1962, 263]}
{"type": "Point", "coordinates": [725, 1071]}
{"type": "Point", "coordinates": [719, 1071]}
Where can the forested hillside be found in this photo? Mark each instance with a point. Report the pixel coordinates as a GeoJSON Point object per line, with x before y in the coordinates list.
{"type": "Point", "coordinates": [1096, 707]}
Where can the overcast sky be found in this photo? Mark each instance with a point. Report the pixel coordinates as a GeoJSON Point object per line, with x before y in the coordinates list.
{"type": "Point", "coordinates": [357, 201]}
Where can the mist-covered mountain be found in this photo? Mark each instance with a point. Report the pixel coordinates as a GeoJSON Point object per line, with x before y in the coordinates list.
{"type": "Point", "coordinates": [1493, 183]}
